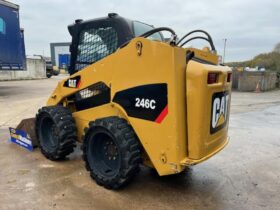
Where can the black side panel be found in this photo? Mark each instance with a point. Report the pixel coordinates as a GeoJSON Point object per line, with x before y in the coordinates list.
{"type": "Point", "coordinates": [147, 102]}
{"type": "Point", "coordinates": [95, 95]}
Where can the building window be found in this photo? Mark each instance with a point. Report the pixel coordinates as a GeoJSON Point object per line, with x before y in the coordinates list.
{"type": "Point", "coordinates": [95, 44]}
{"type": "Point", "coordinates": [2, 26]}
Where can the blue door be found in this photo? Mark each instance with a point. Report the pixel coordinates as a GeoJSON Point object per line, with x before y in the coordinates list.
{"type": "Point", "coordinates": [64, 60]}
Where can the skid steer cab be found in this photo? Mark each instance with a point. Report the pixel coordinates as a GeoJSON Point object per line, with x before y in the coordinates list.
{"type": "Point", "coordinates": [134, 97]}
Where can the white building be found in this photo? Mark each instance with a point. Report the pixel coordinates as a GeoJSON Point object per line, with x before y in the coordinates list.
{"type": "Point", "coordinates": [60, 54]}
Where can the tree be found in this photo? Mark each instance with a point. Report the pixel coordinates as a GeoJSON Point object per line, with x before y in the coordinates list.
{"type": "Point", "coordinates": [277, 48]}
{"type": "Point", "coordinates": [270, 61]}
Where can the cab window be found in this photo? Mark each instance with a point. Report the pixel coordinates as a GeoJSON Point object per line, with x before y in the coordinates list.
{"type": "Point", "coordinates": [141, 28]}
{"type": "Point", "coordinates": [95, 44]}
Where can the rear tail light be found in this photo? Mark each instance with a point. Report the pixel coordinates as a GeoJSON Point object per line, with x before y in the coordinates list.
{"type": "Point", "coordinates": [229, 77]}
{"type": "Point", "coordinates": [212, 78]}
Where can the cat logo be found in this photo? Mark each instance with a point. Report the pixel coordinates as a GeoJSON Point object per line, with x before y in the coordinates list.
{"type": "Point", "coordinates": [74, 82]}
{"type": "Point", "coordinates": [220, 109]}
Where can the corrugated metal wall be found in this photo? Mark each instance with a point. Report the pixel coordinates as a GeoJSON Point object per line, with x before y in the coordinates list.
{"type": "Point", "coordinates": [12, 50]}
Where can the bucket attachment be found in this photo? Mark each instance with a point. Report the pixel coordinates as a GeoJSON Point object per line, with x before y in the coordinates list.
{"type": "Point", "coordinates": [28, 125]}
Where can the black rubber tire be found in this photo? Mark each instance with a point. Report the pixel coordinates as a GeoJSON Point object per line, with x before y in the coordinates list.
{"type": "Point", "coordinates": [56, 132]}
{"type": "Point", "coordinates": [127, 152]}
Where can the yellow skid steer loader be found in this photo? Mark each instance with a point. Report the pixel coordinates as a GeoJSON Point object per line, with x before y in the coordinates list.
{"type": "Point", "coordinates": [134, 98]}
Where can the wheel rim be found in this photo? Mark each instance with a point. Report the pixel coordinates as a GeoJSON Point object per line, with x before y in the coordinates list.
{"type": "Point", "coordinates": [103, 154]}
{"type": "Point", "coordinates": [49, 134]}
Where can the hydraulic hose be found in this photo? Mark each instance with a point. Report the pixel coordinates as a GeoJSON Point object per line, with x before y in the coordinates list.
{"type": "Point", "coordinates": [199, 37]}
{"type": "Point", "coordinates": [199, 31]}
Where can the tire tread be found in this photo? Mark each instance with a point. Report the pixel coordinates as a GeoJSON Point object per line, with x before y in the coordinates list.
{"type": "Point", "coordinates": [129, 146]}
{"type": "Point", "coordinates": [65, 123]}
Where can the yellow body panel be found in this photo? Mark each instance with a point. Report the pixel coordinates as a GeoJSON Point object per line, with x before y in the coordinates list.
{"type": "Point", "coordinates": [199, 102]}
{"type": "Point", "coordinates": [182, 138]}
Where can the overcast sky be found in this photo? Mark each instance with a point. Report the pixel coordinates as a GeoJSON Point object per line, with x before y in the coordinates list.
{"type": "Point", "coordinates": [250, 26]}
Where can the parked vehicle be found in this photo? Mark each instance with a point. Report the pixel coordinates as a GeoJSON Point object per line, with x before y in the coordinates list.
{"type": "Point", "coordinates": [56, 71]}
{"type": "Point", "coordinates": [12, 51]}
{"type": "Point", "coordinates": [49, 69]}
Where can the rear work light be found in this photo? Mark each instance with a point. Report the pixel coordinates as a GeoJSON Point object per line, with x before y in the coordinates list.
{"type": "Point", "coordinates": [229, 77]}
{"type": "Point", "coordinates": [212, 78]}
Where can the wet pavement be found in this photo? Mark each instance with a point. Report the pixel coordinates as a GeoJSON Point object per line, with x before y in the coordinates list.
{"type": "Point", "coordinates": [245, 175]}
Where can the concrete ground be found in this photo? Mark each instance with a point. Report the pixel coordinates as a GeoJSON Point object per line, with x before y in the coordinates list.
{"type": "Point", "coordinates": [245, 175]}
